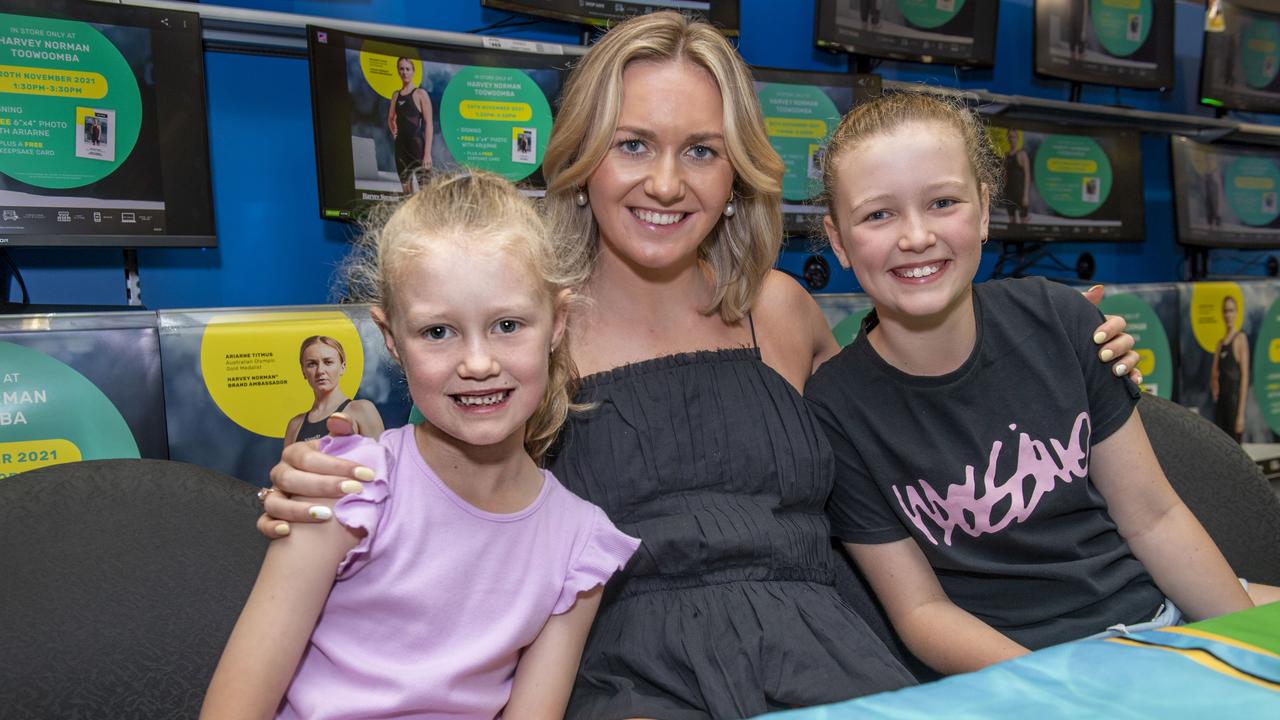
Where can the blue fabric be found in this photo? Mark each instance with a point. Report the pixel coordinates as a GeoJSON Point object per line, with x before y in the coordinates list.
{"type": "Point", "coordinates": [1085, 679]}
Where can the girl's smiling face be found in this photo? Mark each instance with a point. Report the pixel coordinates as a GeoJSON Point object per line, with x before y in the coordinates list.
{"type": "Point", "coordinates": [908, 218]}
{"type": "Point", "coordinates": [473, 330]}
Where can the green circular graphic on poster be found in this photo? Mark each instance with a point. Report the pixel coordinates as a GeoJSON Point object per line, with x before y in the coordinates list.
{"type": "Point", "coordinates": [70, 109]}
{"type": "Point", "coordinates": [495, 119]}
{"type": "Point", "coordinates": [848, 328]}
{"type": "Point", "coordinates": [51, 414]}
{"type": "Point", "coordinates": [1251, 184]}
{"type": "Point", "coordinates": [1260, 52]}
{"type": "Point", "coordinates": [929, 13]}
{"type": "Point", "coordinates": [1122, 27]}
{"type": "Point", "coordinates": [1072, 174]}
{"type": "Point", "coordinates": [798, 120]}
{"type": "Point", "coordinates": [1155, 358]}
{"type": "Point", "coordinates": [1266, 367]}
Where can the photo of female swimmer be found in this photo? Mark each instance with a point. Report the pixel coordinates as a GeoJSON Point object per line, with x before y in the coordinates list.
{"type": "Point", "coordinates": [1229, 373]}
{"type": "Point", "coordinates": [409, 120]}
{"type": "Point", "coordinates": [323, 363]}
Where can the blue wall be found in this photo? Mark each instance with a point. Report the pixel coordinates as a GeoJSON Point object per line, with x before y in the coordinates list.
{"type": "Point", "coordinates": [275, 250]}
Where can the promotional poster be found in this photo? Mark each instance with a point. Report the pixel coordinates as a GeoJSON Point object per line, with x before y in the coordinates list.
{"type": "Point", "coordinates": [1230, 356]}
{"type": "Point", "coordinates": [79, 387]}
{"type": "Point", "coordinates": [240, 383]}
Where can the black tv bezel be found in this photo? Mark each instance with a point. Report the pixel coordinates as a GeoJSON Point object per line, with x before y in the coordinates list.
{"type": "Point", "coordinates": [1164, 64]}
{"type": "Point", "coordinates": [805, 217]}
{"type": "Point", "coordinates": [1207, 101]}
{"type": "Point", "coordinates": [974, 60]}
{"type": "Point", "coordinates": [724, 15]}
{"type": "Point", "coordinates": [1132, 164]}
{"type": "Point", "coordinates": [1182, 222]}
{"type": "Point", "coordinates": [352, 213]}
{"type": "Point", "coordinates": [194, 114]}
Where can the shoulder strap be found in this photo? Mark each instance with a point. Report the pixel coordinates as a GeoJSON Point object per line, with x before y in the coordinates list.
{"type": "Point", "coordinates": [752, 323]}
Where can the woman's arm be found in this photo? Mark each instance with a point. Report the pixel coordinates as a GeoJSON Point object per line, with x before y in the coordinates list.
{"type": "Point", "coordinates": [1242, 355]}
{"type": "Point", "coordinates": [793, 335]}
{"type": "Point", "coordinates": [267, 643]}
{"type": "Point", "coordinates": [391, 115]}
{"type": "Point", "coordinates": [545, 675]}
{"type": "Point", "coordinates": [947, 638]}
{"type": "Point", "coordinates": [424, 106]}
{"type": "Point", "coordinates": [1181, 557]}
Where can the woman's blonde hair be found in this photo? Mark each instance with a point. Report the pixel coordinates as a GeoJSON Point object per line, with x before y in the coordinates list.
{"type": "Point", "coordinates": [893, 110]}
{"type": "Point", "coordinates": [742, 248]}
{"type": "Point", "coordinates": [481, 210]}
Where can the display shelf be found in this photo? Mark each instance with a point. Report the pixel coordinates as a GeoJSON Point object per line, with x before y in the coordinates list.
{"type": "Point", "coordinates": [265, 31]}
{"type": "Point", "coordinates": [1206, 129]}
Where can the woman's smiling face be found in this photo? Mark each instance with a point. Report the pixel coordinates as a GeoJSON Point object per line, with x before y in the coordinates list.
{"type": "Point", "coordinates": [662, 186]}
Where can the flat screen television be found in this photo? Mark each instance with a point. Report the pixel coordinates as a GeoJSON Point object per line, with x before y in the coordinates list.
{"type": "Point", "coordinates": [103, 138]}
{"type": "Point", "coordinates": [1127, 44]}
{"type": "Point", "coordinates": [721, 13]}
{"type": "Point", "coordinates": [1067, 183]}
{"type": "Point", "coordinates": [801, 110]}
{"type": "Point", "coordinates": [1225, 195]}
{"type": "Point", "coordinates": [1240, 68]}
{"type": "Point", "coordinates": [468, 107]}
{"type": "Point", "coordinates": [954, 32]}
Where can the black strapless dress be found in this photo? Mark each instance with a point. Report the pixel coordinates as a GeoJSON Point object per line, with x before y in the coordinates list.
{"type": "Point", "coordinates": [729, 608]}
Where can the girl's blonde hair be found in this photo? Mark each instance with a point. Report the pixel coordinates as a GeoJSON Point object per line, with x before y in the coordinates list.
{"type": "Point", "coordinates": [742, 248]}
{"type": "Point", "coordinates": [481, 210]}
{"type": "Point", "coordinates": [893, 110]}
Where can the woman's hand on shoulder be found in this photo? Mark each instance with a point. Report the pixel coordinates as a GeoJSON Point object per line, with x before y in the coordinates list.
{"type": "Point", "coordinates": [304, 470]}
{"type": "Point", "coordinates": [1114, 344]}
{"type": "Point", "coordinates": [793, 333]}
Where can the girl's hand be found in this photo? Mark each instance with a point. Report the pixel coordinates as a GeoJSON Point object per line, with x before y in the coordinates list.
{"type": "Point", "coordinates": [1116, 346]}
{"type": "Point", "coordinates": [304, 470]}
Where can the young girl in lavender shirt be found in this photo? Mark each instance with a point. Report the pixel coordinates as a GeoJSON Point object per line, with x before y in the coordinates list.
{"type": "Point", "coordinates": [461, 582]}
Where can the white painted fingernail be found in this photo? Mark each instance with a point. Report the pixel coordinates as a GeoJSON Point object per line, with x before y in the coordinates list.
{"type": "Point", "coordinates": [1099, 338]}
{"type": "Point", "coordinates": [1120, 370]}
{"type": "Point", "coordinates": [319, 512]}
{"type": "Point", "coordinates": [363, 473]}
{"type": "Point", "coordinates": [1106, 355]}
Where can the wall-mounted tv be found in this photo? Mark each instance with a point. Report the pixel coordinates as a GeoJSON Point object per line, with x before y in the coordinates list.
{"type": "Point", "coordinates": [954, 32]}
{"type": "Point", "coordinates": [102, 126]}
{"type": "Point", "coordinates": [1225, 195]}
{"type": "Point", "coordinates": [1067, 183]}
{"type": "Point", "coordinates": [1240, 68]}
{"type": "Point", "coordinates": [801, 109]}
{"type": "Point", "coordinates": [387, 110]}
{"type": "Point", "coordinates": [721, 13]}
{"type": "Point", "coordinates": [1128, 44]}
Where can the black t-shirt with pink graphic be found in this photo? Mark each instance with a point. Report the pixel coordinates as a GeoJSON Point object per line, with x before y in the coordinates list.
{"type": "Point", "coordinates": [987, 467]}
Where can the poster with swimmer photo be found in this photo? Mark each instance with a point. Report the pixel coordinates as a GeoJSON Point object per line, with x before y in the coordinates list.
{"type": "Point", "coordinates": [79, 387]}
{"type": "Point", "coordinates": [416, 108]}
{"type": "Point", "coordinates": [240, 384]}
{"type": "Point", "coordinates": [1230, 356]}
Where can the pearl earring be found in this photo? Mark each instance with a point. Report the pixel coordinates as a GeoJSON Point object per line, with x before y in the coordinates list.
{"type": "Point", "coordinates": [729, 209]}
{"type": "Point", "coordinates": [580, 197]}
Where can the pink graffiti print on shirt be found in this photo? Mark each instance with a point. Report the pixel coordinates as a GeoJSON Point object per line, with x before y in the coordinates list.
{"type": "Point", "coordinates": [1045, 465]}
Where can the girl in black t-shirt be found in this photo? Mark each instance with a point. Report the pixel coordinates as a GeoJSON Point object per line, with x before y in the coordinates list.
{"type": "Point", "coordinates": [991, 483]}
